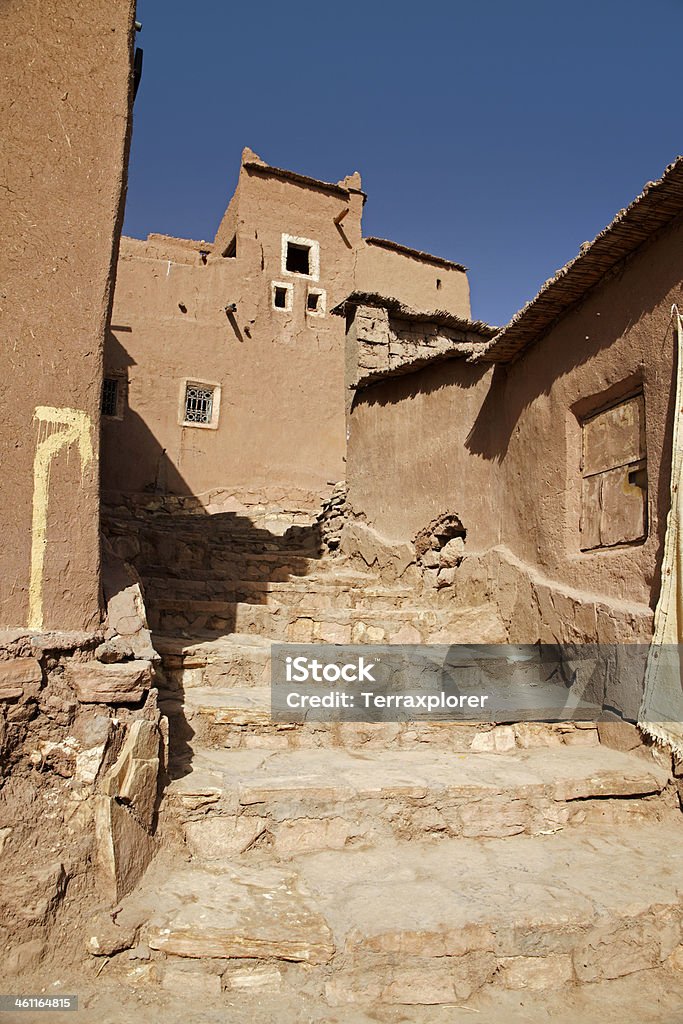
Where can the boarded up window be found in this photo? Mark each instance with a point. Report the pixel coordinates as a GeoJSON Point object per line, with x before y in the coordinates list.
{"type": "Point", "coordinates": [614, 486]}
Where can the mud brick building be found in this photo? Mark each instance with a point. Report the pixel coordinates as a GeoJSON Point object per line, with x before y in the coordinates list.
{"type": "Point", "coordinates": [299, 434]}
{"type": "Point", "coordinates": [224, 368]}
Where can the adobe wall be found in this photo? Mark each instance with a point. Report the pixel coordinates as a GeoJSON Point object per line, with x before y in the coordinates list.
{"type": "Point", "coordinates": [67, 90]}
{"type": "Point", "coordinates": [280, 432]}
{"type": "Point", "coordinates": [620, 337]}
{"type": "Point", "coordinates": [280, 437]}
{"type": "Point", "coordinates": [418, 281]}
{"type": "Point", "coordinates": [502, 449]}
{"type": "Point", "coordinates": [408, 461]}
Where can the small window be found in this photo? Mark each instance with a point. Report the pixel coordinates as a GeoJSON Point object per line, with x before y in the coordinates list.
{"type": "Point", "coordinates": [438, 284]}
{"type": "Point", "coordinates": [113, 395]}
{"type": "Point", "coordinates": [230, 252]}
{"type": "Point", "coordinates": [281, 295]}
{"type": "Point", "coordinates": [300, 256]}
{"type": "Point", "coordinates": [315, 302]}
{"type": "Point", "coordinates": [200, 403]}
{"type": "Point", "coordinates": [110, 396]}
{"type": "Point", "coordinates": [614, 470]}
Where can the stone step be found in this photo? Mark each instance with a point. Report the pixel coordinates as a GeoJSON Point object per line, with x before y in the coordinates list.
{"type": "Point", "coordinates": [329, 798]}
{"type": "Point", "coordinates": [230, 565]}
{"type": "Point", "coordinates": [226, 661]}
{"type": "Point", "coordinates": [417, 923]}
{"type": "Point", "coordinates": [239, 718]}
{"type": "Point", "coordinates": [307, 594]}
{"type": "Point", "coordinates": [480, 624]}
{"type": "Point", "coordinates": [286, 530]}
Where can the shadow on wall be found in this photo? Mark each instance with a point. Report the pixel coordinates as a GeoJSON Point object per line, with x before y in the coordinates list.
{"type": "Point", "coordinates": [143, 465]}
{"type": "Point", "coordinates": [426, 381]}
{"type": "Point", "coordinates": [514, 388]}
{"type": "Point", "coordinates": [203, 575]}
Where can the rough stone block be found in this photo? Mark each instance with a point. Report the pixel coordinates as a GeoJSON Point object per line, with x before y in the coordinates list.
{"type": "Point", "coordinates": [306, 834]}
{"type": "Point", "coordinates": [18, 675]}
{"type": "Point", "coordinates": [124, 847]}
{"type": "Point", "coordinates": [113, 650]}
{"type": "Point", "coordinates": [223, 837]}
{"type": "Point", "coordinates": [108, 936]}
{"type": "Point", "coordinates": [495, 740]}
{"type": "Point", "coordinates": [97, 683]}
{"type": "Point", "coordinates": [133, 779]}
{"type": "Point", "coordinates": [449, 981]}
{"type": "Point", "coordinates": [194, 983]}
{"type": "Point", "coordinates": [613, 950]}
{"type": "Point", "coordinates": [451, 554]}
{"type": "Point", "coordinates": [537, 973]}
{"type": "Point", "coordinates": [259, 978]}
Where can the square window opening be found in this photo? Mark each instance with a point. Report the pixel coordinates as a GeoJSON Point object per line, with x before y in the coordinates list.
{"type": "Point", "coordinates": [298, 260]}
{"type": "Point", "coordinates": [280, 298]}
{"type": "Point", "coordinates": [110, 396]}
{"type": "Point", "coordinates": [313, 302]}
{"type": "Point", "coordinates": [198, 403]}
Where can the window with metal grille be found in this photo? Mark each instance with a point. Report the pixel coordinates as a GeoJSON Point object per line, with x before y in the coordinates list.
{"type": "Point", "coordinates": [198, 404]}
{"type": "Point", "coordinates": [110, 396]}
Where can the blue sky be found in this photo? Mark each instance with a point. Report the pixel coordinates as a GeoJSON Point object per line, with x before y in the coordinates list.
{"type": "Point", "coordinates": [500, 135]}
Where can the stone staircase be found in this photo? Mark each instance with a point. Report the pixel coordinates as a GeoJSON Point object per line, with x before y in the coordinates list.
{"type": "Point", "coordinates": [349, 866]}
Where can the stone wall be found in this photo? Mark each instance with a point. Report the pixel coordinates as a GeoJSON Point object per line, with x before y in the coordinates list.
{"type": "Point", "coordinates": [82, 758]}
{"type": "Point", "coordinates": [67, 92]}
{"type": "Point", "coordinates": [381, 343]}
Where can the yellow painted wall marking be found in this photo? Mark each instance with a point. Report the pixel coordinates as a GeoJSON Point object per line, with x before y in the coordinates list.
{"type": "Point", "coordinates": [58, 429]}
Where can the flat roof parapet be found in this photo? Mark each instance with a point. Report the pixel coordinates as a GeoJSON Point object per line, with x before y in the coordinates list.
{"type": "Point", "coordinates": [267, 170]}
{"type": "Point", "coordinates": [418, 254]}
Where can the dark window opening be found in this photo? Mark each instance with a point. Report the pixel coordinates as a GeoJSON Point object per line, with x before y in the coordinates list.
{"type": "Point", "coordinates": [438, 284]}
{"type": "Point", "coordinates": [280, 298]}
{"type": "Point", "coordinates": [110, 396]}
{"type": "Point", "coordinates": [231, 251]}
{"type": "Point", "coordinates": [298, 258]}
{"type": "Point", "coordinates": [313, 301]}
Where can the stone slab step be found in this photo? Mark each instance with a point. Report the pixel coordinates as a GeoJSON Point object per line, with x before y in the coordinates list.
{"type": "Point", "coordinates": [242, 993]}
{"type": "Point", "coordinates": [307, 595]}
{"type": "Point", "coordinates": [423, 924]}
{"type": "Point", "coordinates": [240, 718]}
{"type": "Point", "coordinates": [480, 624]}
{"type": "Point", "coordinates": [230, 564]}
{"type": "Point", "coordinates": [237, 912]}
{"type": "Point", "coordinates": [226, 661]}
{"type": "Point", "coordinates": [330, 798]}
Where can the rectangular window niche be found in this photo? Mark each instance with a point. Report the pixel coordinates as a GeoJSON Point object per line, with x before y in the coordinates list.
{"type": "Point", "coordinates": [301, 257]}
{"type": "Point", "coordinates": [200, 403]}
{"type": "Point", "coordinates": [614, 476]}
